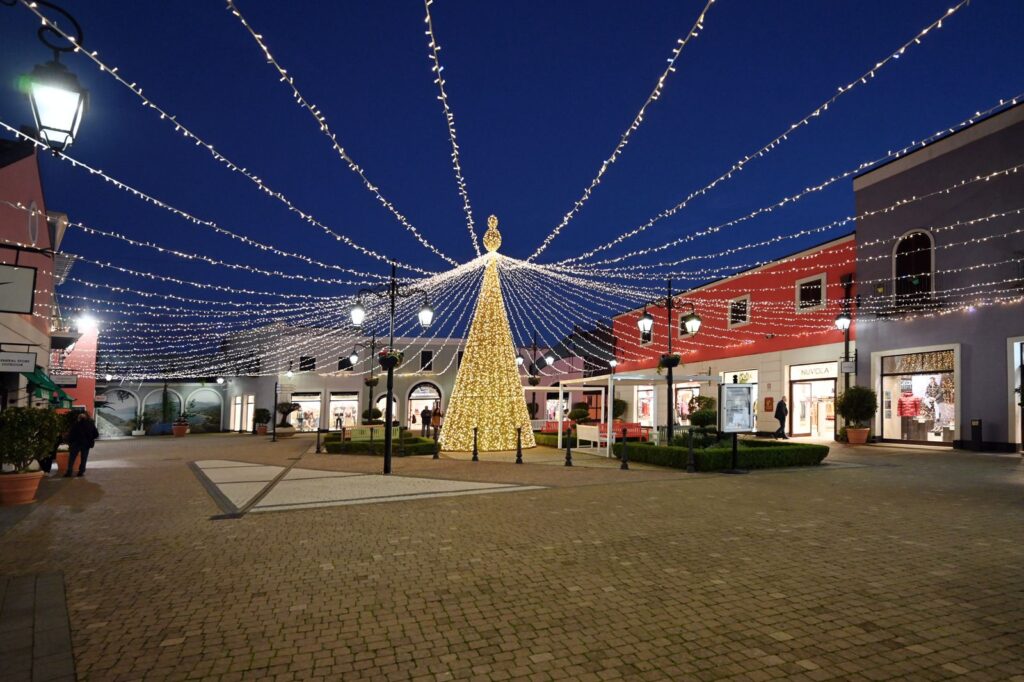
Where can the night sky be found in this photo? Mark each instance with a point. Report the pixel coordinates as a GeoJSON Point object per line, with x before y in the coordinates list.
{"type": "Point", "coordinates": [541, 93]}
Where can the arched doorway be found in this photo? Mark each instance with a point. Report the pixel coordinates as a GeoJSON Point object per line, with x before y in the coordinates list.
{"type": "Point", "coordinates": [382, 401]}
{"type": "Point", "coordinates": [422, 395]}
{"type": "Point", "coordinates": [204, 411]}
{"type": "Point", "coordinates": [116, 415]}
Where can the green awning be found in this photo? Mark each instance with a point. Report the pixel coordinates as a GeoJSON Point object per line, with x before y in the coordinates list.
{"type": "Point", "coordinates": [63, 398]}
{"type": "Point", "coordinates": [40, 384]}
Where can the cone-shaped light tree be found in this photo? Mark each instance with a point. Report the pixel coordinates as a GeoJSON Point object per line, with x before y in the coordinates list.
{"type": "Point", "coordinates": [488, 392]}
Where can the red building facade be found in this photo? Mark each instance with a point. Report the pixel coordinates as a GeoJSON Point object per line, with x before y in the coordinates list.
{"type": "Point", "coordinates": [773, 326]}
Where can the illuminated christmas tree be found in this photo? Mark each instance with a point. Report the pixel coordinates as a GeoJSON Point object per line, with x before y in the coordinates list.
{"type": "Point", "coordinates": [488, 393]}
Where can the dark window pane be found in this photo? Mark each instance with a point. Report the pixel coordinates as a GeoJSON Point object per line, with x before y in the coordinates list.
{"type": "Point", "coordinates": [811, 294]}
{"type": "Point", "coordinates": [307, 364]}
{"type": "Point", "coordinates": [738, 311]}
{"type": "Point", "coordinates": [913, 269]}
{"type": "Point", "coordinates": [427, 360]}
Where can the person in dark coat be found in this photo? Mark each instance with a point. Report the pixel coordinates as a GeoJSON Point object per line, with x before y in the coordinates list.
{"type": "Point", "coordinates": [81, 439]}
{"type": "Point", "coordinates": [781, 412]}
{"type": "Point", "coordinates": [425, 416]}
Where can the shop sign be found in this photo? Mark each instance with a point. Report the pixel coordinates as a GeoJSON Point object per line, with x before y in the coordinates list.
{"type": "Point", "coordinates": [65, 380]}
{"type": "Point", "coordinates": [17, 284]}
{"type": "Point", "coordinates": [820, 370]}
{"type": "Point", "coordinates": [17, 362]}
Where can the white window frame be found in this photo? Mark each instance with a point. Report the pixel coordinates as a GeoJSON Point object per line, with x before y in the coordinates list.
{"type": "Point", "coordinates": [728, 312]}
{"type": "Point", "coordinates": [824, 293]}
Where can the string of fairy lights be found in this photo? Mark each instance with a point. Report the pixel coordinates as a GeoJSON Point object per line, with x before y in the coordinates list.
{"type": "Point", "coordinates": [160, 334]}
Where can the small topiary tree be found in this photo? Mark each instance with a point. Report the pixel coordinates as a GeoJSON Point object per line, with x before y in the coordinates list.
{"type": "Point", "coordinates": [532, 408]}
{"type": "Point", "coordinates": [619, 408]}
{"type": "Point", "coordinates": [285, 409]}
{"type": "Point", "coordinates": [372, 416]}
{"type": "Point", "coordinates": [702, 402]}
{"type": "Point", "coordinates": [857, 405]}
{"type": "Point", "coordinates": [261, 415]}
{"type": "Point", "coordinates": [703, 418]}
{"type": "Point", "coordinates": [579, 413]}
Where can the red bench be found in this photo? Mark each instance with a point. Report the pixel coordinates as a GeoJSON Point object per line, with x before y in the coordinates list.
{"type": "Point", "coordinates": [552, 427]}
{"type": "Point", "coordinates": [634, 430]}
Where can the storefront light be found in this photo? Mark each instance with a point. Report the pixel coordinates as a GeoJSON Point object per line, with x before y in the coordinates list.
{"type": "Point", "coordinates": [645, 322]}
{"type": "Point", "coordinates": [613, 363]}
{"type": "Point", "coordinates": [843, 321]}
{"type": "Point", "coordinates": [353, 359]}
{"type": "Point", "coordinates": [519, 360]}
{"type": "Point", "coordinates": [58, 101]}
{"type": "Point", "coordinates": [426, 315]}
{"type": "Point", "coordinates": [358, 314]}
{"type": "Point", "coordinates": [550, 359]}
{"type": "Point", "coordinates": [691, 322]}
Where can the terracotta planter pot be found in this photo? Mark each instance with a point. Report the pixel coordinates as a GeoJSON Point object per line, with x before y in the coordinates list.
{"type": "Point", "coordinates": [19, 488]}
{"type": "Point", "coordinates": [61, 462]}
{"type": "Point", "coordinates": [179, 430]}
{"type": "Point", "coordinates": [857, 436]}
{"type": "Point", "coordinates": [261, 429]}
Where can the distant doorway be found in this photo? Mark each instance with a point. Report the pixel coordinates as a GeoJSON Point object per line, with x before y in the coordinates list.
{"type": "Point", "coordinates": [812, 408]}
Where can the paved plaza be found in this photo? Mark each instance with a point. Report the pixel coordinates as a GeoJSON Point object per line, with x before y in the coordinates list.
{"type": "Point", "coordinates": [881, 564]}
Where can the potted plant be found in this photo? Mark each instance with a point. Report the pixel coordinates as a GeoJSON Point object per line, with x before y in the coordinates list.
{"type": "Point", "coordinates": [857, 405]}
{"type": "Point", "coordinates": [371, 381]}
{"type": "Point", "coordinates": [180, 426]}
{"type": "Point", "coordinates": [619, 408]}
{"type": "Point", "coordinates": [261, 417]}
{"type": "Point", "coordinates": [669, 360]}
{"type": "Point", "coordinates": [26, 435]}
{"type": "Point", "coordinates": [534, 380]}
{"type": "Point", "coordinates": [283, 428]}
{"type": "Point", "coordinates": [390, 358]}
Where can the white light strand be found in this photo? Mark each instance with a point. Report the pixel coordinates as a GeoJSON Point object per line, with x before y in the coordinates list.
{"type": "Point", "coordinates": [739, 165]}
{"type": "Point", "coordinates": [321, 121]}
{"type": "Point", "coordinates": [659, 86]}
{"type": "Point", "coordinates": [449, 117]}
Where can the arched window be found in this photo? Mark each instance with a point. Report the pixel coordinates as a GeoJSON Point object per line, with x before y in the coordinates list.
{"type": "Point", "coordinates": [912, 268]}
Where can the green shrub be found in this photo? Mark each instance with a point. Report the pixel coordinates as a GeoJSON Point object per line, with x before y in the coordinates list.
{"type": "Point", "coordinates": [551, 439]}
{"type": "Point", "coordinates": [857, 405]}
{"type": "Point", "coordinates": [532, 408]}
{"type": "Point", "coordinates": [619, 408]}
{"type": "Point", "coordinates": [702, 438]}
{"type": "Point", "coordinates": [261, 415]}
{"type": "Point", "coordinates": [751, 455]}
{"type": "Point", "coordinates": [371, 415]}
{"type": "Point", "coordinates": [403, 447]}
{"type": "Point", "coordinates": [27, 434]}
{"type": "Point", "coordinates": [702, 402]}
{"type": "Point", "coordinates": [703, 417]}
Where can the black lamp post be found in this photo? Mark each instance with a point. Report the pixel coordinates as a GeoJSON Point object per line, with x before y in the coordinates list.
{"type": "Point", "coordinates": [426, 315]}
{"type": "Point", "coordinates": [354, 358]}
{"type": "Point", "coordinates": [57, 99]}
{"type": "Point", "coordinates": [692, 323]}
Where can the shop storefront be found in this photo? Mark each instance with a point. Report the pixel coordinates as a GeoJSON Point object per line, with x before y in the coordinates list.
{"type": "Point", "coordinates": [684, 397]}
{"type": "Point", "coordinates": [918, 401]}
{"type": "Point", "coordinates": [812, 395]}
{"type": "Point", "coordinates": [422, 396]}
{"type": "Point", "coordinates": [242, 408]}
{"type": "Point", "coordinates": [307, 417]}
{"type": "Point", "coordinates": [644, 406]}
{"type": "Point", "coordinates": [344, 410]}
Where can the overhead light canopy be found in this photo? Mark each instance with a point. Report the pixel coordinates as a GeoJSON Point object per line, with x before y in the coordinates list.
{"type": "Point", "coordinates": [58, 101]}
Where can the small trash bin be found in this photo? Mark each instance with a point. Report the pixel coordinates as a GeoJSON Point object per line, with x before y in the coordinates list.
{"type": "Point", "coordinates": [976, 435]}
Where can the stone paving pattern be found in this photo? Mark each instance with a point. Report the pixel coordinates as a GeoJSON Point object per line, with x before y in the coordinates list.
{"type": "Point", "coordinates": [909, 567]}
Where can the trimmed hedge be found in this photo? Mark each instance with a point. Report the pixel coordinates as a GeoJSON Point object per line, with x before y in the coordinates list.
{"type": "Point", "coordinates": [400, 448]}
{"type": "Point", "coordinates": [551, 439]}
{"type": "Point", "coordinates": [752, 454]}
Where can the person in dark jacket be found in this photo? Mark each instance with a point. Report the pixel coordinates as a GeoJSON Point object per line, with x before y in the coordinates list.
{"type": "Point", "coordinates": [81, 439]}
{"type": "Point", "coordinates": [781, 412]}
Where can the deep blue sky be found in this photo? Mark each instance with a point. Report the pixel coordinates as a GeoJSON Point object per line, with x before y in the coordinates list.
{"type": "Point", "coordinates": [541, 92]}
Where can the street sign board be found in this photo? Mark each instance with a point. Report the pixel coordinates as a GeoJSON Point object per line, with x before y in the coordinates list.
{"type": "Point", "coordinates": [17, 287]}
{"type": "Point", "coordinates": [65, 380]}
{"type": "Point", "coordinates": [847, 366]}
{"type": "Point", "coordinates": [736, 408]}
{"type": "Point", "coordinates": [17, 362]}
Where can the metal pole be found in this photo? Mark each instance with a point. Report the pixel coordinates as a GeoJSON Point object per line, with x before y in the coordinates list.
{"type": "Point", "coordinates": [273, 417]}
{"type": "Point", "coordinates": [671, 404]}
{"type": "Point", "coordinates": [318, 440]}
{"type": "Point", "coordinates": [476, 453]}
{"type": "Point", "coordinates": [691, 465]}
{"type": "Point", "coordinates": [625, 455]}
{"type": "Point", "coordinates": [389, 408]}
{"type": "Point", "coordinates": [568, 450]}
{"type": "Point", "coordinates": [437, 446]}
{"type": "Point", "coordinates": [519, 445]}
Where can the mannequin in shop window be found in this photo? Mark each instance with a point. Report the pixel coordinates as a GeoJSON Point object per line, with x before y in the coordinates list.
{"type": "Point", "coordinates": [908, 407]}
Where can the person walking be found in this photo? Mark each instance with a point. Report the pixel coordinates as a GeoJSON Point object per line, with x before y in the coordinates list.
{"type": "Point", "coordinates": [425, 418]}
{"type": "Point", "coordinates": [781, 412]}
{"type": "Point", "coordinates": [81, 439]}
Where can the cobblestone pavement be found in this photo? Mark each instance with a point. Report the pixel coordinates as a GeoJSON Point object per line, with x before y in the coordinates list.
{"type": "Point", "coordinates": [898, 565]}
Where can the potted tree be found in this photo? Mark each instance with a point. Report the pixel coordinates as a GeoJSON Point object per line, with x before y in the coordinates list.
{"type": "Point", "coordinates": [283, 428]}
{"type": "Point", "coordinates": [261, 417]}
{"type": "Point", "coordinates": [857, 405]}
{"type": "Point", "coordinates": [26, 434]}
{"type": "Point", "coordinates": [180, 426]}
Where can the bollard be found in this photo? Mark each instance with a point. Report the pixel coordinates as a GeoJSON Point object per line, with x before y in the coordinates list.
{"type": "Point", "coordinates": [476, 454]}
{"type": "Point", "coordinates": [519, 445]}
{"type": "Point", "coordinates": [568, 451]}
{"type": "Point", "coordinates": [318, 440]}
{"type": "Point", "coordinates": [691, 465]}
{"type": "Point", "coordinates": [625, 455]}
